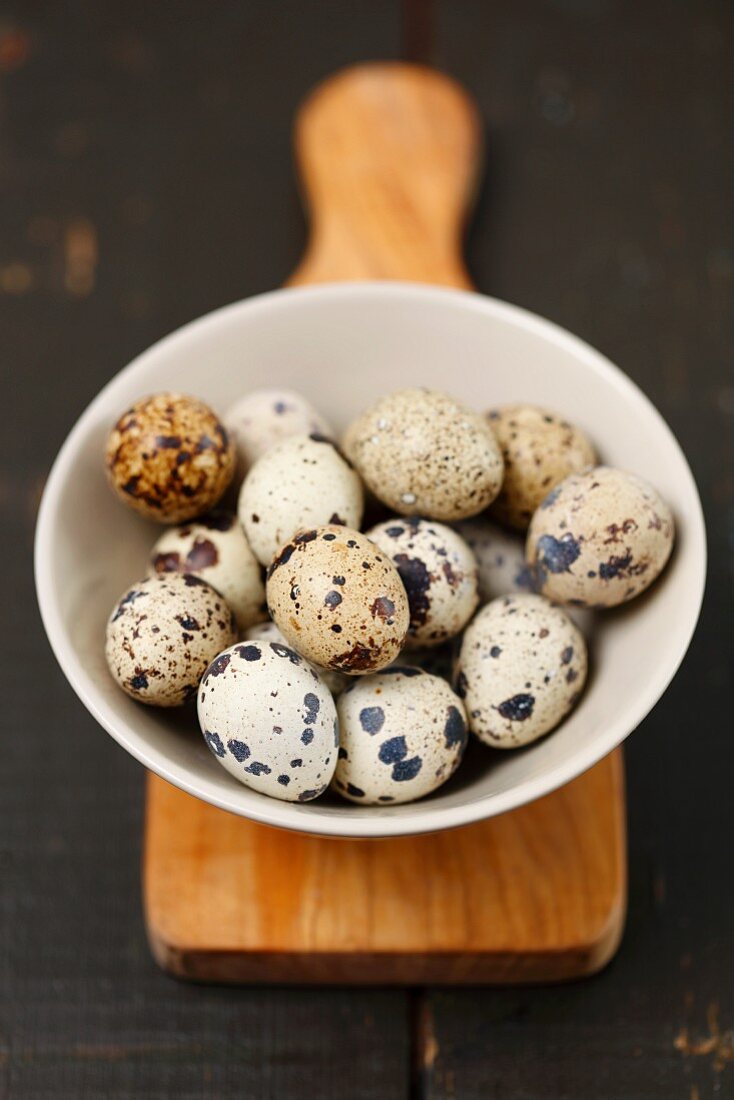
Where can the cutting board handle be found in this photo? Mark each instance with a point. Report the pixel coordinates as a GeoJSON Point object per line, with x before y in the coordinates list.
{"type": "Point", "coordinates": [388, 155]}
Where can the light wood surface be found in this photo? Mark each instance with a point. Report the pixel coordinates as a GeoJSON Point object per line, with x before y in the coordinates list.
{"type": "Point", "coordinates": [388, 155]}
{"type": "Point", "coordinates": [535, 895]}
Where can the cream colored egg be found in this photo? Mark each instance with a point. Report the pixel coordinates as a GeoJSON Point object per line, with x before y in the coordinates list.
{"type": "Point", "coordinates": [423, 453]}
{"type": "Point", "coordinates": [263, 418]}
{"type": "Point", "coordinates": [300, 483]}
{"type": "Point", "coordinates": [600, 538]}
{"type": "Point", "coordinates": [402, 735]}
{"type": "Point", "coordinates": [215, 549]}
{"type": "Point", "coordinates": [522, 666]}
{"type": "Point", "coordinates": [439, 572]}
{"type": "Point", "coordinates": [539, 449]}
{"type": "Point", "coordinates": [338, 600]}
{"type": "Point", "coordinates": [269, 720]}
{"type": "Point", "coordinates": [162, 634]}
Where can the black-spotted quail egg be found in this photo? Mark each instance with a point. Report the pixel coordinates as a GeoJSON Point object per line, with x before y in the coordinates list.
{"type": "Point", "coordinates": [423, 453]}
{"type": "Point", "coordinates": [402, 734]}
{"type": "Point", "coordinates": [439, 572]}
{"type": "Point", "coordinates": [338, 600]}
{"type": "Point", "coordinates": [162, 634]}
{"type": "Point", "coordinates": [169, 457]}
{"type": "Point", "coordinates": [265, 417]}
{"type": "Point", "coordinates": [301, 482]}
{"type": "Point", "coordinates": [522, 667]}
{"type": "Point", "coordinates": [599, 538]}
{"type": "Point", "coordinates": [500, 557]}
{"type": "Point", "coordinates": [503, 568]}
{"type": "Point", "coordinates": [270, 720]}
{"type": "Point", "coordinates": [215, 549]}
{"type": "Point", "coordinates": [268, 632]}
{"type": "Point", "coordinates": [539, 449]}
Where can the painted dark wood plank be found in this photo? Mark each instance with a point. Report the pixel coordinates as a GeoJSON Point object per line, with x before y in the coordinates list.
{"type": "Point", "coordinates": [608, 209]}
{"type": "Point", "coordinates": [146, 177]}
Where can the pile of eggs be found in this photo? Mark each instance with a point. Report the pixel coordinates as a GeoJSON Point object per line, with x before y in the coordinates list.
{"type": "Point", "coordinates": [323, 655]}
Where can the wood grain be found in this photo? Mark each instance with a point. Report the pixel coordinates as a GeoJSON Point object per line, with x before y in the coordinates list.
{"type": "Point", "coordinates": [388, 155]}
{"type": "Point", "coordinates": [537, 894]}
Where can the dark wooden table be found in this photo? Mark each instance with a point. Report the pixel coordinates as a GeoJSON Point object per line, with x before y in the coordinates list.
{"type": "Point", "coordinates": [145, 175]}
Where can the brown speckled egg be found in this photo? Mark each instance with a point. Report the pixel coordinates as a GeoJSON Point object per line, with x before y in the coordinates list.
{"type": "Point", "coordinates": [300, 483]}
{"type": "Point", "coordinates": [163, 633]}
{"type": "Point", "coordinates": [521, 669]}
{"type": "Point", "coordinates": [169, 458]}
{"type": "Point", "coordinates": [599, 538]}
{"type": "Point", "coordinates": [439, 573]}
{"type": "Point", "coordinates": [215, 549]}
{"type": "Point", "coordinates": [338, 600]}
{"type": "Point", "coordinates": [423, 453]}
{"type": "Point", "coordinates": [539, 449]}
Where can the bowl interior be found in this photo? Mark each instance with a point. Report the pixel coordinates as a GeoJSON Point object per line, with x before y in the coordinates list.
{"type": "Point", "coordinates": [342, 346]}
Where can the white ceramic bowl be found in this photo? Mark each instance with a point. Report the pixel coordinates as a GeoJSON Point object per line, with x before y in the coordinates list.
{"type": "Point", "coordinates": [342, 346]}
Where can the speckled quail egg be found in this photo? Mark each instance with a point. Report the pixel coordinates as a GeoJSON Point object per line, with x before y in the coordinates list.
{"type": "Point", "coordinates": [215, 549]}
{"type": "Point", "coordinates": [302, 482]}
{"type": "Point", "coordinates": [169, 458]}
{"type": "Point", "coordinates": [402, 734]}
{"type": "Point", "coordinates": [503, 568]}
{"type": "Point", "coordinates": [270, 720]}
{"type": "Point", "coordinates": [162, 634]}
{"type": "Point", "coordinates": [522, 667]}
{"type": "Point", "coordinates": [338, 600]}
{"type": "Point", "coordinates": [269, 632]}
{"type": "Point", "coordinates": [599, 538]}
{"type": "Point", "coordinates": [265, 417]}
{"type": "Point", "coordinates": [500, 557]}
{"type": "Point", "coordinates": [539, 449]}
{"type": "Point", "coordinates": [439, 572]}
{"type": "Point", "coordinates": [423, 453]}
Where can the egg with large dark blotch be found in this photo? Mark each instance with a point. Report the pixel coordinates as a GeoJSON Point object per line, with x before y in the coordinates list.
{"type": "Point", "coordinates": [216, 549]}
{"type": "Point", "coordinates": [403, 734]}
{"type": "Point", "coordinates": [599, 538]}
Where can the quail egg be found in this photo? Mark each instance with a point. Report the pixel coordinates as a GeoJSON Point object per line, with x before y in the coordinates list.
{"type": "Point", "coordinates": [169, 458]}
{"type": "Point", "coordinates": [162, 634]}
{"type": "Point", "coordinates": [539, 449]}
{"type": "Point", "coordinates": [599, 538]}
{"type": "Point", "coordinates": [522, 667]}
{"type": "Point", "coordinates": [301, 482]}
{"type": "Point", "coordinates": [423, 453]}
{"type": "Point", "coordinates": [270, 720]}
{"type": "Point", "coordinates": [265, 417]}
{"type": "Point", "coordinates": [403, 734]}
{"type": "Point", "coordinates": [439, 572]}
{"type": "Point", "coordinates": [215, 549]}
{"type": "Point", "coordinates": [500, 557]}
{"type": "Point", "coordinates": [338, 600]}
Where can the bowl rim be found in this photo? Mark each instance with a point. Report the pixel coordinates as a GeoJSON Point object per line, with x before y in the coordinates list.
{"type": "Point", "coordinates": [424, 817]}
